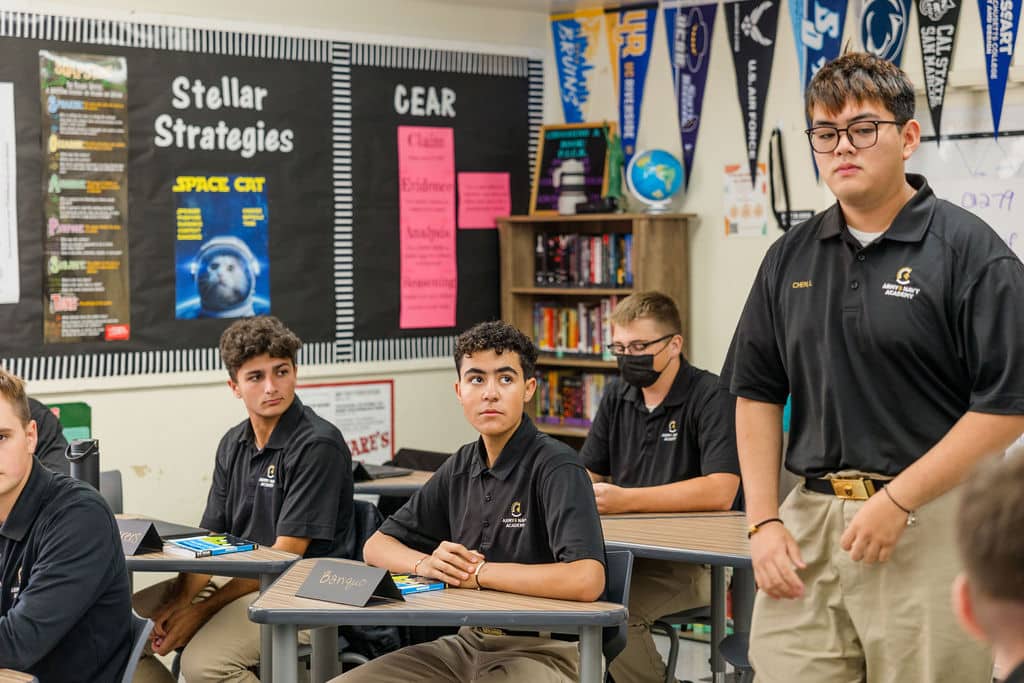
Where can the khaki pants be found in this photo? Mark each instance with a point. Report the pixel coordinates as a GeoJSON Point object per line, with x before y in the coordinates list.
{"type": "Point", "coordinates": [226, 648]}
{"type": "Point", "coordinates": [883, 623]}
{"type": "Point", "coordinates": [474, 657]}
{"type": "Point", "coordinates": [658, 588]}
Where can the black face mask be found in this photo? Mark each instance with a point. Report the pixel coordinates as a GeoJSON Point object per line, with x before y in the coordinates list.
{"type": "Point", "coordinates": [638, 370]}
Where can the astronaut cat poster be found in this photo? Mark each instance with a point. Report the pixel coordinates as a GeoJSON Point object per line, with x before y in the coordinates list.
{"type": "Point", "coordinates": [221, 260]}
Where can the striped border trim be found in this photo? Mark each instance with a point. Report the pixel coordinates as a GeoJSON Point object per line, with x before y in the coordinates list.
{"type": "Point", "coordinates": [131, 34]}
{"type": "Point", "coordinates": [341, 135]}
{"type": "Point", "coordinates": [140, 362]}
{"type": "Point", "coordinates": [367, 350]}
{"type": "Point", "coordinates": [535, 107]}
{"type": "Point", "coordinates": [439, 60]}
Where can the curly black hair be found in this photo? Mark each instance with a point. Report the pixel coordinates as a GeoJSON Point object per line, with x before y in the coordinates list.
{"type": "Point", "coordinates": [497, 336]}
{"type": "Point", "coordinates": [251, 337]}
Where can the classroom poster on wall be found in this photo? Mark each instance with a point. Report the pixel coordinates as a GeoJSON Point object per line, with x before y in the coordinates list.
{"type": "Point", "coordinates": [745, 202]}
{"type": "Point", "coordinates": [426, 213]}
{"type": "Point", "coordinates": [10, 281]}
{"type": "Point", "coordinates": [84, 135]}
{"type": "Point", "coordinates": [220, 247]}
{"type": "Point", "coordinates": [362, 411]}
{"type": "Point", "coordinates": [483, 198]}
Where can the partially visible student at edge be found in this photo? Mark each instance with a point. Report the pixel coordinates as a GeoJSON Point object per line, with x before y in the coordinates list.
{"type": "Point", "coordinates": [513, 511]}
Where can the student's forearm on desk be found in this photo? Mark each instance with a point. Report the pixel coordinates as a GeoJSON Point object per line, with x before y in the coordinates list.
{"type": "Point", "coordinates": [710, 492]}
{"type": "Point", "coordinates": [759, 442]}
{"type": "Point", "coordinates": [580, 580]}
{"type": "Point", "coordinates": [389, 553]}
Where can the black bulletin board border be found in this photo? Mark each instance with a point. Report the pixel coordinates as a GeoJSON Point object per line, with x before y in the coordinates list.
{"type": "Point", "coordinates": [65, 363]}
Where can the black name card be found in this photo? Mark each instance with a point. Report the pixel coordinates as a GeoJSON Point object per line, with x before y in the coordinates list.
{"type": "Point", "coordinates": [348, 583]}
{"type": "Point", "coordinates": [139, 536]}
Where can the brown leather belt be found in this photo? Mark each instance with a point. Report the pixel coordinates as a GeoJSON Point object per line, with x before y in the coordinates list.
{"type": "Point", "coordinates": [849, 488]}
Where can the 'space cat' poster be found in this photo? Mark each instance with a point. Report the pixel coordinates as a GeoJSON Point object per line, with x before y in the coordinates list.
{"type": "Point", "coordinates": [221, 257]}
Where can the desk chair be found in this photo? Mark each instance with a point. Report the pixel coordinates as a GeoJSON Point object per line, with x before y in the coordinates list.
{"type": "Point", "coordinates": [666, 627]}
{"type": "Point", "coordinates": [140, 631]}
{"type": "Point", "coordinates": [110, 489]}
{"type": "Point", "coordinates": [734, 650]}
{"type": "Point", "coordinates": [618, 574]}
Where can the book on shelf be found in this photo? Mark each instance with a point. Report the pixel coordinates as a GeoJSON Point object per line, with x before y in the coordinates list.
{"type": "Point", "coordinates": [414, 583]}
{"type": "Point", "coordinates": [583, 328]}
{"type": "Point", "coordinates": [575, 260]}
{"type": "Point", "coordinates": [206, 546]}
{"type": "Point", "coordinates": [568, 397]}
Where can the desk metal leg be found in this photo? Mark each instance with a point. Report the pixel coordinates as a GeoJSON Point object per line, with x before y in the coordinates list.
{"type": "Point", "coordinates": [323, 664]}
{"type": "Point", "coordinates": [590, 654]}
{"type": "Point", "coordinates": [267, 640]}
{"type": "Point", "coordinates": [743, 590]}
{"type": "Point", "coordinates": [286, 653]}
{"type": "Point", "coordinates": [717, 622]}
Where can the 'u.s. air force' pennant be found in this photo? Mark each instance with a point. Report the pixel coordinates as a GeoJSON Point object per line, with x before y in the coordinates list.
{"type": "Point", "coordinates": [936, 23]}
{"type": "Point", "coordinates": [630, 35]}
{"type": "Point", "coordinates": [883, 28]}
{"type": "Point", "coordinates": [999, 20]}
{"type": "Point", "coordinates": [752, 25]}
{"type": "Point", "coordinates": [575, 38]}
{"type": "Point", "coordinates": [689, 28]}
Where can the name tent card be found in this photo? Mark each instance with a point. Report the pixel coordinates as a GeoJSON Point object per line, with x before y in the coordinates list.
{"type": "Point", "coordinates": [348, 583]}
{"type": "Point", "coordinates": [139, 536]}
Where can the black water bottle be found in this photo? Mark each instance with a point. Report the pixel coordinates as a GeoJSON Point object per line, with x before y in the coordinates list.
{"type": "Point", "coordinates": [84, 456]}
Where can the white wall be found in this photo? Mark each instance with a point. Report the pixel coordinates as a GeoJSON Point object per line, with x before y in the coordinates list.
{"type": "Point", "coordinates": [161, 431]}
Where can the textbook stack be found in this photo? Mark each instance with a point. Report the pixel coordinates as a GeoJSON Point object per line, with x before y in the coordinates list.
{"type": "Point", "coordinates": [583, 328]}
{"type": "Point", "coordinates": [568, 397]}
{"type": "Point", "coordinates": [575, 260]}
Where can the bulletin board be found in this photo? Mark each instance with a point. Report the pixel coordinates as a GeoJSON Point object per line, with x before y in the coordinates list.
{"type": "Point", "coordinates": [260, 156]}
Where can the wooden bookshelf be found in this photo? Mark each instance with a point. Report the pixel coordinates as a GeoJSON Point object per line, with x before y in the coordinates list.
{"type": "Point", "coordinates": [660, 260]}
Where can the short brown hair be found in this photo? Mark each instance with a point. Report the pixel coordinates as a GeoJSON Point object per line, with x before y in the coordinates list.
{"type": "Point", "coordinates": [13, 389]}
{"type": "Point", "coordinates": [497, 336]}
{"type": "Point", "coordinates": [989, 529]}
{"type": "Point", "coordinates": [861, 77]}
{"type": "Point", "coordinates": [655, 305]}
{"type": "Point", "coordinates": [251, 337]}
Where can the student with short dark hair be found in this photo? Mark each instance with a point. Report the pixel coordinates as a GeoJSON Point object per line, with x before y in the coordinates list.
{"type": "Point", "coordinates": [282, 478]}
{"type": "Point", "coordinates": [893, 320]}
{"type": "Point", "coordinates": [512, 511]}
{"type": "Point", "coordinates": [65, 613]}
{"type": "Point", "coordinates": [988, 595]}
{"type": "Point", "coordinates": [663, 440]}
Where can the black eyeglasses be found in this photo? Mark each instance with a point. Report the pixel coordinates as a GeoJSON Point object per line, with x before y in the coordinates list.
{"type": "Point", "coordinates": [863, 134]}
{"type": "Point", "coordinates": [636, 346]}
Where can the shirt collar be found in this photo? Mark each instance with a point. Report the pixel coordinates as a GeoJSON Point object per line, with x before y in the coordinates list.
{"type": "Point", "coordinates": [910, 224]}
{"type": "Point", "coordinates": [510, 455]}
{"type": "Point", "coordinates": [27, 507]}
{"type": "Point", "coordinates": [676, 393]}
{"type": "Point", "coordinates": [283, 430]}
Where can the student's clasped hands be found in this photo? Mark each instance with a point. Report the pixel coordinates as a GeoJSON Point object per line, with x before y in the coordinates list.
{"type": "Point", "coordinates": [174, 624]}
{"type": "Point", "coordinates": [453, 563]}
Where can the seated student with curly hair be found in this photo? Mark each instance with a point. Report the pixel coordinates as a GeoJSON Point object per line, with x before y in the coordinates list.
{"type": "Point", "coordinates": [513, 511]}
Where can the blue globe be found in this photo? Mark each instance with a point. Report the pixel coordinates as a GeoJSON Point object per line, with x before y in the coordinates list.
{"type": "Point", "coordinates": [653, 176]}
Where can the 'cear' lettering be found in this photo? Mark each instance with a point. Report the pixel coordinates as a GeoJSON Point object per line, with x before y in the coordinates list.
{"type": "Point", "coordinates": [420, 100]}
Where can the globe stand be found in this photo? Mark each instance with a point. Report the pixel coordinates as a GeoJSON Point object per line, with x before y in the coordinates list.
{"type": "Point", "coordinates": [656, 207]}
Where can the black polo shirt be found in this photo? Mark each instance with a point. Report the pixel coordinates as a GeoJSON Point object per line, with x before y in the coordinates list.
{"type": "Point", "coordinates": [535, 506]}
{"type": "Point", "coordinates": [883, 347]}
{"type": "Point", "coordinates": [1016, 676]}
{"type": "Point", "coordinates": [65, 607]}
{"type": "Point", "coordinates": [51, 444]}
{"type": "Point", "coordinates": [299, 485]}
{"type": "Point", "coordinates": [691, 434]}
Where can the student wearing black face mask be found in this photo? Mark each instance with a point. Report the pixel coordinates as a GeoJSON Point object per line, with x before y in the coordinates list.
{"type": "Point", "coordinates": [663, 440]}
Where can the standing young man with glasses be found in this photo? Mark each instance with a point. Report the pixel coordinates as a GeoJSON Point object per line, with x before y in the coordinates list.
{"type": "Point", "coordinates": [893, 319]}
{"type": "Point", "coordinates": [663, 440]}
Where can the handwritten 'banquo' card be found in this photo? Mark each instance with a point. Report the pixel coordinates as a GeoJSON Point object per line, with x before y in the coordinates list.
{"type": "Point", "coordinates": [347, 583]}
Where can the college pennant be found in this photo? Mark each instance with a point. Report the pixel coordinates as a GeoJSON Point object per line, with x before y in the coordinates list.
{"type": "Point", "coordinates": [630, 35]}
{"type": "Point", "coordinates": [574, 36]}
{"type": "Point", "coordinates": [752, 25]}
{"type": "Point", "coordinates": [883, 28]}
{"type": "Point", "coordinates": [999, 20]}
{"type": "Point", "coordinates": [689, 27]}
{"type": "Point", "coordinates": [797, 8]}
{"type": "Point", "coordinates": [822, 34]}
{"type": "Point", "coordinates": [936, 22]}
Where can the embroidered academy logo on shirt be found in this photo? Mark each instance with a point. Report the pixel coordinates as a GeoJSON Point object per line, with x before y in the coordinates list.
{"type": "Point", "coordinates": [270, 478]}
{"type": "Point", "coordinates": [516, 521]}
{"type": "Point", "coordinates": [671, 433]}
{"type": "Point", "coordinates": [901, 288]}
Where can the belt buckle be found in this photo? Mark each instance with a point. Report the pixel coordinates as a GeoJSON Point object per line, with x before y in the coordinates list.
{"type": "Point", "coordinates": [853, 489]}
{"type": "Point", "coordinates": [490, 630]}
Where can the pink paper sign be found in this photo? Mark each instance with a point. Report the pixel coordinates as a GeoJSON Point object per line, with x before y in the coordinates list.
{"type": "Point", "coordinates": [426, 213]}
{"type": "Point", "coordinates": [482, 198]}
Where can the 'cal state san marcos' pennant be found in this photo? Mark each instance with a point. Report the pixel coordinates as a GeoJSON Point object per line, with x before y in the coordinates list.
{"type": "Point", "coordinates": [936, 24]}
